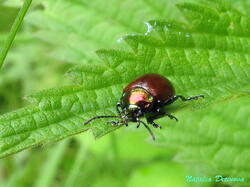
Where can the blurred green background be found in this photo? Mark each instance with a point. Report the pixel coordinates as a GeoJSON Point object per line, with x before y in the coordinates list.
{"type": "Point", "coordinates": [122, 158]}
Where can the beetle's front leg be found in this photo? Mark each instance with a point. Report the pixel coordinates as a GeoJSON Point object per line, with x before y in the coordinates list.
{"type": "Point", "coordinates": [118, 106]}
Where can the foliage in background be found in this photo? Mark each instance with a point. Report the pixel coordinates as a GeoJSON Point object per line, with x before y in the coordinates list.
{"type": "Point", "coordinates": [207, 52]}
{"type": "Point", "coordinates": [24, 72]}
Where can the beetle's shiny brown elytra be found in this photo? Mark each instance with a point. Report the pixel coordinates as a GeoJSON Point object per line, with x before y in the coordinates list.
{"type": "Point", "coordinates": [153, 86]}
{"type": "Point", "coordinates": [146, 97]}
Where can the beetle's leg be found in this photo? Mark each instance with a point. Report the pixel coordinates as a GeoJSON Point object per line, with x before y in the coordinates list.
{"type": "Point", "coordinates": [155, 125]}
{"type": "Point", "coordinates": [118, 106]}
{"type": "Point", "coordinates": [137, 119]}
{"type": "Point", "coordinates": [138, 123]}
{"type": "Point", "coordinates": [158, 115]}
{"type": "Point", "coordinates": [151, 119]}
{"type": "Point", "coordinates": [174, 98]}
{"type": "Point", "coordinates": [149, 130]}
{"type": "Point", "coordinates": [171, 116]}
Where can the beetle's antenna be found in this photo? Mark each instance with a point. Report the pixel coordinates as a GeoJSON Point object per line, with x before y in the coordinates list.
{"type": "Point", "coordinates": [98, 117]}
{"type": "Point", "coordinates": [149, 130]}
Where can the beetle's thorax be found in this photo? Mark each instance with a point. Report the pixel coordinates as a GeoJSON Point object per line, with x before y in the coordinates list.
{"type": "Point", "coordinates": [136, 99]}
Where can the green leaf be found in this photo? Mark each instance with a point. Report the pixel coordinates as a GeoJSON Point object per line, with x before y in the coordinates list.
{"type": "Point", "coordinates": [79, 27]}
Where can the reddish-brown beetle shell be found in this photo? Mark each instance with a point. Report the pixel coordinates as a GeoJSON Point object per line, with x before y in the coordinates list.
{"type": "Point", "coordinates": [158, 86]}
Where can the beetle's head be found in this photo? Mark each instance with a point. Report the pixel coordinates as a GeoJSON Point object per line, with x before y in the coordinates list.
{"type": "Point", "coordinates": [135, 102]}
{"type": "Point", "coordinates": [131, 112]}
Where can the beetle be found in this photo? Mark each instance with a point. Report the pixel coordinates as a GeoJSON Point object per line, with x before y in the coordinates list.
{"type": "Point", "coordinates": [146, 97]}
